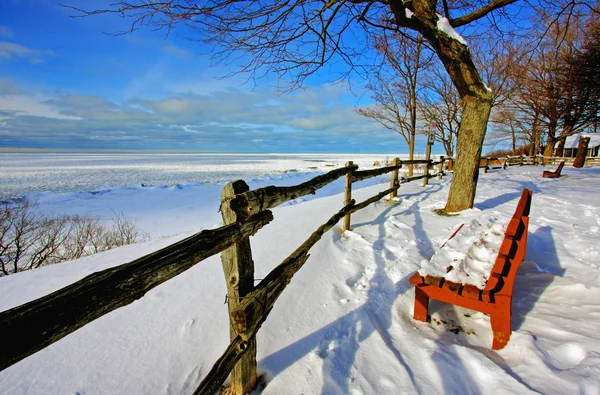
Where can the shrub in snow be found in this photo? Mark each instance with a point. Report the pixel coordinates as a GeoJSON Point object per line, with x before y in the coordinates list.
{"type": "Point", "coordinates": [29, 239]}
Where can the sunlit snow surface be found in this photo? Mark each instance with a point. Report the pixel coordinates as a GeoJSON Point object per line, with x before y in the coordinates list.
{"type": "Point", "coordinates": [344, 324]}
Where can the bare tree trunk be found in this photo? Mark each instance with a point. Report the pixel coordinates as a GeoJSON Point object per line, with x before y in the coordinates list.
{"type": "Point", "coordinates": [581, 152]}
{"type": "Point", "coordinates": [549, 148]}
{"type": "Point", "coordinates": [411, 148]}
{"type": "Point", "coordinates": [536, 134]}
{"type": "Point", "coordinates": [476, 112]}
{"type": "Point", "coordinates": [560, 148]}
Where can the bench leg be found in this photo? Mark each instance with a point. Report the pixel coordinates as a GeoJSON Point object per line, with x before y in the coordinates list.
{"type": "Point", "coordinates": [500, 320]}
{"type": "Point", "coordinates": [421, 304]}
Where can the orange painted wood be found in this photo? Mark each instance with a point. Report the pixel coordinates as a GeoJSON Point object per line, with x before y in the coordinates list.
{"type": "Point", "coordinates": [555, 173]}
{"type": "Point", "coordinates": [496, 297]}
{"type": "Point", "coordinates": [452, 287]}
{"type": "Point", "coordinates": [415, 279]}
{"type": "Point", "coordinates": [471, 291]}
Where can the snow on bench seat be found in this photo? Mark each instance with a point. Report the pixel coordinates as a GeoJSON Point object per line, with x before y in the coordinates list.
{"type": "Point", "coordinates": [470, 285]}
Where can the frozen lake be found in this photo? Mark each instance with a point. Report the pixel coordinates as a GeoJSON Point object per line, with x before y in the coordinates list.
{"type": "Point", "coordinates": [23, 174]}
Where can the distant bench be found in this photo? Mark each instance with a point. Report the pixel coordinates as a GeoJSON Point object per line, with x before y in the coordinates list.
{"type": "Point", "coordinates": [496, 297]}
{"type": "Point", "coordinates": [555, 173]}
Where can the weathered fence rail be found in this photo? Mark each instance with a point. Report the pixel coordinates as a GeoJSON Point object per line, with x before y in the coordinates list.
{"type": "Point", "coordinates": [46, 320]}
{"type": "Point", "coordinates": [487, 163]}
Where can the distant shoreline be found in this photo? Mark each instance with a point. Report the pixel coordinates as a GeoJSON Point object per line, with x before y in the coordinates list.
{"type": "Point", "coordinates": [7, 150]}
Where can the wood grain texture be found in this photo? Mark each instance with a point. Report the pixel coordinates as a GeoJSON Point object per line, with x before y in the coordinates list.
{"type": "Point", "coordinates": [44, 321]}
{"type": "Point", "coordinates": [394, 179]}
{"type": "Point", "coordinates": [366, 174]}
{"type": "Point", "coordinates": [251, 202]}
{"type": "Point", "coordinates": [218, 373]}
{"type": "Point", "coordinates": [238, 268]}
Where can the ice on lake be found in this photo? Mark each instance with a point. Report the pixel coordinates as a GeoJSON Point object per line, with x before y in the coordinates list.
{"type": "Point", "coordinates": [23, 174]}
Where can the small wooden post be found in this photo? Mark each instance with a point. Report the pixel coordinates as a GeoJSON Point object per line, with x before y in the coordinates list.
{"type": "Point", "coordinates": [238, 267]}
{"type": "Point", "coordinates": [427, 165]}
{"type": "Point", "coordinates": [394, 178]}
{"type": "Point", "coordinates": [441, 169]}
{"type": "Point", "coordinates": [348, 197]}
{"type": "Point", "coordinates": [485, 165]}
{"type": "Point", "coordinates": [521, 164]}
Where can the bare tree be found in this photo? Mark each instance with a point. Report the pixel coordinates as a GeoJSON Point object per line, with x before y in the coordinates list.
{"type": "Point", "coordinates": [396, 87]}
{"type": "Point", "coordinates": [548, 87]}
{"type": "Point", "coordinates": [513, 127]}
{"type": "Point", "coordinates": [441, 104]}
{"type": "Point", "coordinates": [296, 38]}
{"type": "Point", "coordinates": [29, 239]}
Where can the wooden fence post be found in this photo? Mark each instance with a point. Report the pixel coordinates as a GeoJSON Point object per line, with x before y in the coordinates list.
{"type": "Point", "coordinates": [485, 165]}
{"type": "Point", "coordinates": [427, 158]}
{"type": "Point", "coordinates": [348, 197]}
{"type": "Point", "coordinates": [441, 170]}
{"type": "Point", "coordinates": [394, 178]}
{"type": "Point", "coordinates": [238, 267]}
{"type": "Point", "coordinates": [521, 164]}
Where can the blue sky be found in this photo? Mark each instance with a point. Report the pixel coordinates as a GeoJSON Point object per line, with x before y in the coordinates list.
{"type": "Point", "coordinates": [64, 83]}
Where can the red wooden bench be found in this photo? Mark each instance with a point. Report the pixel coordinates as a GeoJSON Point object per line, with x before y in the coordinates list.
{"type": "Point", "coordinates": [496, 298]}
{"type": "Point", "coordinates": [555, 173]}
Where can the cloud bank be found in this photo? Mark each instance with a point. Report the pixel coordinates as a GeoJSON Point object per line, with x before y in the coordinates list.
{"type": "Point", "coordinates": [317, 119]}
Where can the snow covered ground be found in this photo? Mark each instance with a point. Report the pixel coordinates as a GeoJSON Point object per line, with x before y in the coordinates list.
{"type": "Point", "coordinates": [344, 324]}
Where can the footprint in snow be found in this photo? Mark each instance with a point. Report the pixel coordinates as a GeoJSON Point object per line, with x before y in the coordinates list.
{"type": "Point", "coordinates": [187, 327]}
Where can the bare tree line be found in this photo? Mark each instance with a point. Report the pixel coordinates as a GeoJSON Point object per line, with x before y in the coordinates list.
{"type": "Point", "coordinates": [30, 239]}
{"type": "Point", "coordinates": [542, 84]}
{"type": "Point", "coordinates": [296, 39]}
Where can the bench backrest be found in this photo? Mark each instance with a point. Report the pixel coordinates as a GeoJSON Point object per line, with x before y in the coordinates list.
{"type": "Point", "coordinates": [512, 251]}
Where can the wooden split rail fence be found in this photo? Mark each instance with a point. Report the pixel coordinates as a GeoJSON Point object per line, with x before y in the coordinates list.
{"type": "Point", "coordinates": [43, 321]}
{"type": "Point", "coordinates": [495, 163]}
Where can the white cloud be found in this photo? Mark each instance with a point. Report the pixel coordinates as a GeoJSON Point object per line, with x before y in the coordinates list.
{"type": "Point", "coordinates": [317, 117]}
{"type": "Point", "coordinates": [175, 50]}
{"type": "Point", "coordinates": [21, 105]}
{"type": "Point", "coordinates": [11, 51]}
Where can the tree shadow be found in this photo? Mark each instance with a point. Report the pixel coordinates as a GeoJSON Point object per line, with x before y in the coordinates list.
{"type": "Point", "coordinates": [457, 378]}
{"type": "Point", "coordinates": [497, 201]}
{"type": "Point", "coordinates": [338, 342]}
{"type": "Point", "coordinates": [536, 273]}
{"type": "Point", "coordinates": [509, 196]}
{"type": "Point", "coordinates": [423, 243]}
